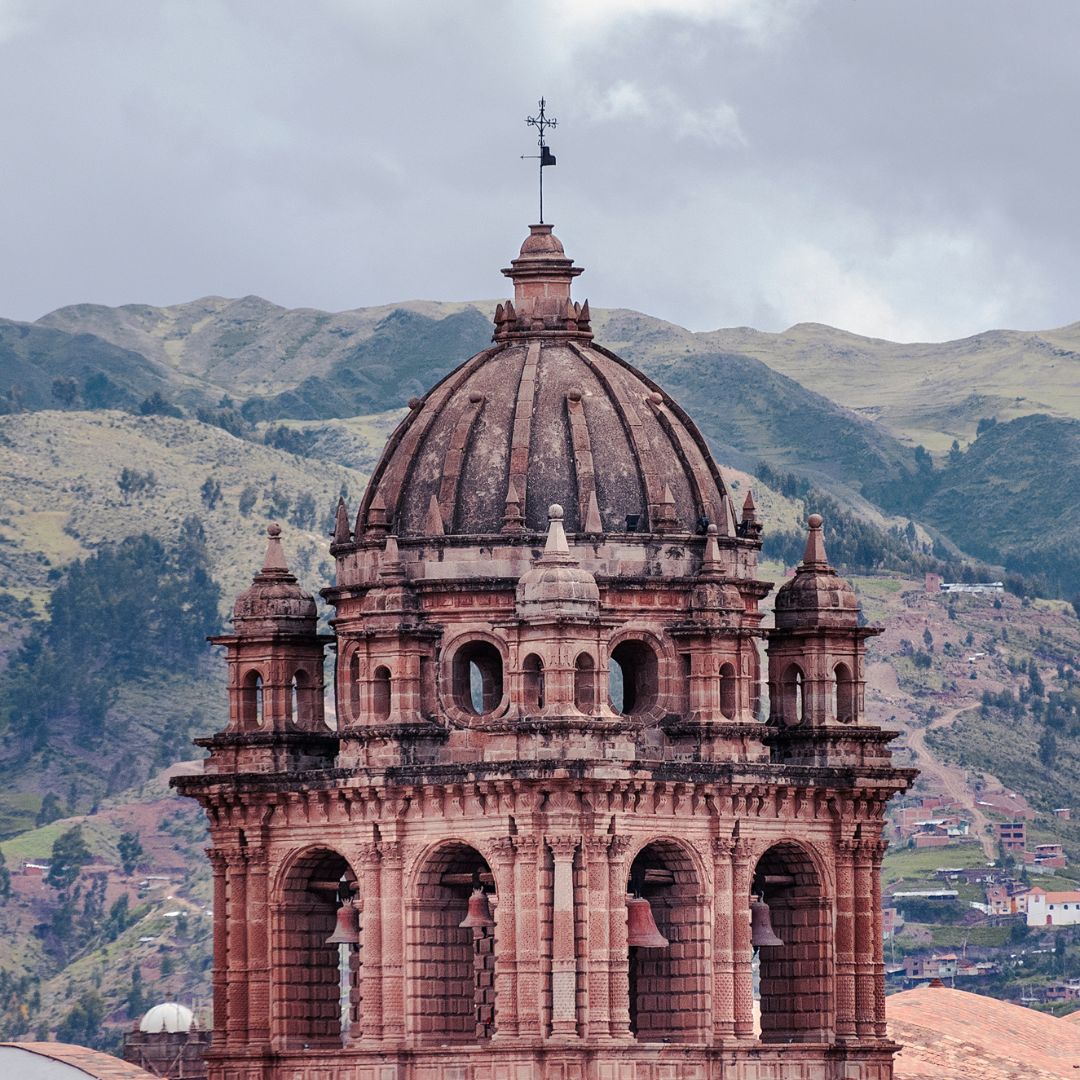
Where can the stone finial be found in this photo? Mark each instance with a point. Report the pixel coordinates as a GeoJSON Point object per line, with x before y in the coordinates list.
{"type": "Point", "coordinates": [593, 525]}
{"type": "Point", "coordinates": [390, 568]}
{"type": "Point", "coordinates": [814, 555]}
{"type": "Point", "coordinates": [433, 519]}
{"type": "Point", "coordinates": [664, 519]}
{"type": "Point", "coordinates": [341, 522]}
{"type": "Point", "coordinates": [556, 546]}
{"type": "Point", "coordinates": [513, 519]}
{"type": "Point", "coordinates": [274, 563]}
{"type": "Point", "coordinates": [749, 510]}
{"type": "Point", "coordinates": [377, 521]}
{"type": "Point", "coordinates": [711, 562]}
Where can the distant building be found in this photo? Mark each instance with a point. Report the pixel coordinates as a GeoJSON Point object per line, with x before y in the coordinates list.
{"type": "Point", "coordinates": [974, 587]}
{"type": "Point", "coordinates": [1063, 812]}
{"type": "Point", "coordinates": [1047, 857]}
{"type": "Point", "coordinates": [1012, 835]}
{"type": "Point", "coordinates": [168, 1042]}
{"type": "Point", "coordinates": [1053, 908]}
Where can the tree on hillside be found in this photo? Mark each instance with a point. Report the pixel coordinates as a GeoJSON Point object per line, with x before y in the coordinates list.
{"type": "Point", "coordinates": [82, 1025]}
{"type": "Point", "coordinates": [70, 854]}
{"type": "Point", "coordinates": [210, 492]}
{"type": "Point", "coordinates": [5, 879]}
{"type": "Point", "coordinates": [131, 851]}
{"type": "Point", "coordinates": [156, 405]}
{"type": "Point", "coordinates": [248, 498]}
{"type": "Point", "coordinates": [50, 810]}
{"type": "Point", "coordinates": [65, 390]}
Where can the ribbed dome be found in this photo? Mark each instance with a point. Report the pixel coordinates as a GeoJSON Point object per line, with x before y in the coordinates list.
{"type": "Point", "coordinates": [545, 416]}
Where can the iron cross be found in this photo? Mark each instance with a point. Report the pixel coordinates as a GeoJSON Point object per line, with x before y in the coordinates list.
{"type": "Point", "coordinates": [542, 123]}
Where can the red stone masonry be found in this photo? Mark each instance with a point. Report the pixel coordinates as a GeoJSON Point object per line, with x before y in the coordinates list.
{"type": "Point", "coordinates": [549, 666]}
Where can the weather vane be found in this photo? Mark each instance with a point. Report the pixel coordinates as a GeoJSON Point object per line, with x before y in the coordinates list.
{"type": "Point", "coordinates": [545, 157]}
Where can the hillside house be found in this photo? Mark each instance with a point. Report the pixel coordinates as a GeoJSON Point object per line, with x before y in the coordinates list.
{"type": "Point", "coordinates": [1053, 908]}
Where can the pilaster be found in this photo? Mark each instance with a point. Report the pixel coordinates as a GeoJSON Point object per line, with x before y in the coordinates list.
{"type": "Point", "coordinates": [563, 950]}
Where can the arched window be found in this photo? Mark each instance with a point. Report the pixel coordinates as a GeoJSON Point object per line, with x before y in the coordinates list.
{"type": "Point", "coordinates": [316, 982]}
{"type": "Point", "coordinates": [729, 691]}
{"type": "Point", "coordinates": [354, 686]}
{"type": "Point", "coordinates": [380, 693]}
{"type": "Point", "coordinates": [453, 996]}
{"type": "Point", "coordinates": [796, 977]}
{"type": "Point", "coordinates": [584, 683]}
{"type": "Point", "coordinates": [478, 678]}
{"type": "Point", "coordinates": [664, 875]}
{"type": "Point", "coordinates": [633, 677]}
{"type": "Point", "coordinates": [534, 681]}
{"type": "Point", "coordinates": [843, 694]}
{"type": "Point", "coordinates": [251, 701]}
{"type": "Point", "coordinates": [793, 689]}
{"type": "Point", "coordinates": [300, 699]}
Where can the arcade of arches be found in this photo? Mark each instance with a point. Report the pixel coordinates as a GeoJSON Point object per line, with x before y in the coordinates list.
{"type": "Point", "coordinates": [579, 804]}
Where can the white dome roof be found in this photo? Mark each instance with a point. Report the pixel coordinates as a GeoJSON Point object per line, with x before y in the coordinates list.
{"type": "Point", "coordinates": [168, 1016]}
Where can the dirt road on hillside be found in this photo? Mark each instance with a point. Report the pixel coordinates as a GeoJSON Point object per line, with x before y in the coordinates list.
{"type": "Point", "coordinates": [952, 780]}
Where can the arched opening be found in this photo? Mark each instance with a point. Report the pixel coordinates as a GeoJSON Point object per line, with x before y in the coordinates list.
{"type": "Point", "coordinates": [478, 678]}
{"type": "Point", "coordinates": [585, 683]}
{"type": "Point", "coordinates": [317, 983]}
{"type": "Point", "coordinates": [533, 669]}
{"type": "Point", "coordinates": [251, 701]}
{"type": "Point", "coordinates": [633, 678]}
{"type": "Point", "coordinates": [380, 693]}
{"type": "Point", "coordinates": [793, 691]}
{"type": "Point", "coordinates": [452, 998]}
{"type": "Point", "coordinates": [843, 694]}
{"type": "Point", "coordinates": [301, 699]}
{"type": "Point", "coordinates": [669, 999]}
{"type": "Point", "coordinates": [796, 987]}
{"type": "Point", "coordinates": [354, 685]}
{"type": "Point", "coordinates": [729, 691]}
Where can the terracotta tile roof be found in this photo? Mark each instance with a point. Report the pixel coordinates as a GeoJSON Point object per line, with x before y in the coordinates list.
{"type": "Point", "coordinates": [952, 1034]}
{"type": "Point", "coordinates": [92, 1062]}
{"type": "Point", "coordinates": [1061, 897]}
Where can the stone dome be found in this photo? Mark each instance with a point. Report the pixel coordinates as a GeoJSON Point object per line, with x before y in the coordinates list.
{"type": "Point", "coordinates": [274, 602]}
{"type": "Point", "coordinates": [168, 1016]}
{"type": "Point", "coordinates": [543, 416]}
{"type": "Point", "coordinates": [817, 595]}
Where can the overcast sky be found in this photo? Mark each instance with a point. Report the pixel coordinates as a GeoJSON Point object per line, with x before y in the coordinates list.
{"type": "Point", "coordinates": [902, 168]}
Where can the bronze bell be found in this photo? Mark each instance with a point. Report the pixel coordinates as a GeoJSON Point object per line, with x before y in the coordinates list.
{"type": "Point", "coordinates": [347, 931]}
{"type": "Point", "coordinates": [761, 931]}
{"type": "Point", "coordinates": [479, 914]}
{"type": "Point", "coordinates": [641, 929]}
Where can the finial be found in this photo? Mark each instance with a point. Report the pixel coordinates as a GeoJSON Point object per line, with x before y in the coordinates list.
{"type": "Point", "coordinates": [390, 567]}
{"type": "Point", "coordinates": [274, 563]}
{"type": "Point", "coordinates": [814, 555]}
{"type": "Point", "coordinates": [749, 510]}
{"type": "Point", "coordinates": [711, 562]}
{"type": "Point", "coordinates": [513, 522]}
{"type": "Point", "coordinates": [433, 520]}
{"type": "Point", "coordinates": [377, 521]}
{"type": "Point", "coordinates": [341, 522]}
{"type": "Point", "coordinates": [542, 122]}
{"type": "Point", "coordinates": [556, 546]}
{"type": "Point", "coordinates": [664, 516]}
{"type": "Point", "coordinates": [593, 525]}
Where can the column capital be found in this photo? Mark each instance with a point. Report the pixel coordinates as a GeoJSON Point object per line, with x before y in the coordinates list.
{"type": "Point", "coordinates": [503, 848]}
{"type": "Point", "coordinates": [618, 846]}
{"type": "Point", "coordinates": [367, 854]}
{"type": "Point", "coordinates": [723, 847]}
{"type": "Point", "coordinates": [563, 848]}
{"type": "Point", "coordinates": [596, 847]}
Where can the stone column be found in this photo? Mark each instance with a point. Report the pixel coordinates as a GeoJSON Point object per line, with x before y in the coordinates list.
{"type": "Point", "coordinates": [371, 991]}
{"type": "Point", "coordinates": [392, 889]}
{"type": "Point", "coordinates": [528, 935]}
{"type": "Point", "coordinates": [506, 988]}
{"type": "Point", "coordinates": [221, 949]}
{"type": "Point", "coordinates": [845, 940]}
{"type": "Point", "coordinates": [877, 854]}
{"type": "Point", "coordinates": [742, 951]}
{"type": "Point", "coordinates": [864, 938]}
{"type": "Point", "coordinates": [723, 942]}
{"type": "Point", "coordinates": [597, 956]}
{"type": "Point", "coordinates": [258, 947]}
{"type": "Point", "coordinates": [563, 944]}
{"type": "Point", "coordinates": [619, 951]}
{"type": "Point", "coordinates": [237, 936]}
